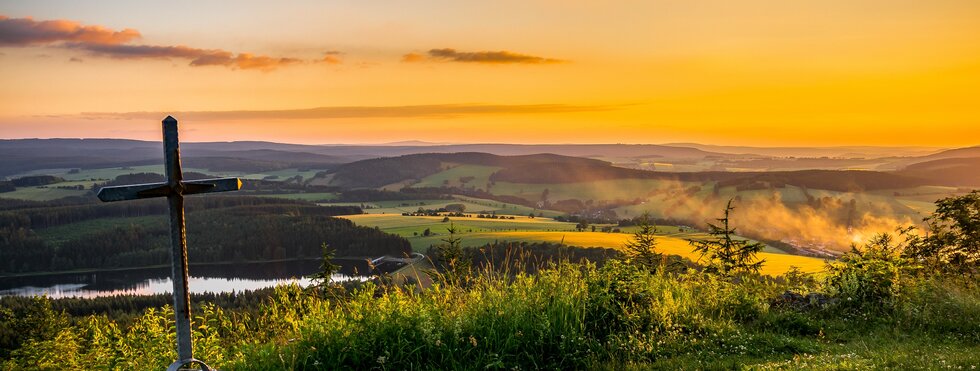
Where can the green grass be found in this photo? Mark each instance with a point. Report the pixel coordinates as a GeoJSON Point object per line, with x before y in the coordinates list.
{"type": "Point", "coordinates": [564, 317]}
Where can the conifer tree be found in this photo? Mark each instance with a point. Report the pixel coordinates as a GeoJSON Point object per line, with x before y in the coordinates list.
{"type": "Point", "coordinates": [327, 267]}
{"type": "Point", "coordinates": [451, 258]}
{"type": "Point", "coordinates": [723, 253]}
{"type": "Point", "coordinates": [642, 247]}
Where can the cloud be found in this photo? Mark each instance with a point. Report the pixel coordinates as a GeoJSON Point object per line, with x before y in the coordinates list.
{"type": "Point", "coordinates": [435, 110]}
{"type": "Point", "coordinates": [76, 60]}
{"type": "Point", "coordinates": [27, 31]}
{"type": "Point", "coordinates": [104, 42]}
{"type": "Point", "coordinates": [413, 57]}
{"type": "Point", "coordinates": [490, 57]}
{"type": "Point", "coordinates": [331, 57]}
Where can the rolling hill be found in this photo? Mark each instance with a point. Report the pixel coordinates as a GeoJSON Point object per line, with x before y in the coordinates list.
{"type": "Point", "coordinates": [557, 169]}
{"type": "Point", "coordinates": [947, 171]}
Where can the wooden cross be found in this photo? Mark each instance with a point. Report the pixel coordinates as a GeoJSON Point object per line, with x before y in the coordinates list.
{"type": "Point", "coordinates": [174, 189]}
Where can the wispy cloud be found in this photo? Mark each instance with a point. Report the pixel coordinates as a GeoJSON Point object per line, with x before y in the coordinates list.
{"type": "Point", "coordinates": [104, 42]}
{"type": "Point", "coordinates": [435, 110]}
{"type": "Point", "coordinates": [489, 57]}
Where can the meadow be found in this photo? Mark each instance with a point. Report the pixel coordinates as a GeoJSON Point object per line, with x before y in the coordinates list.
{"type": "Point", "coordinates": [477, 232]}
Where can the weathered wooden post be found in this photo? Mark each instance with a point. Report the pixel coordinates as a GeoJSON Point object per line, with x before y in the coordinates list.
{"type": "Point", "coordinates": [174, 190]}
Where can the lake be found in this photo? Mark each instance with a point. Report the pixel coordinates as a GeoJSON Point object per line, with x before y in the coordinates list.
{"type": "Point", "coordinates": [148, 281]}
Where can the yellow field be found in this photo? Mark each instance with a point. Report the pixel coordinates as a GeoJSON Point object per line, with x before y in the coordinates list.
{"type": "Point", "coordinates": [776, 264]}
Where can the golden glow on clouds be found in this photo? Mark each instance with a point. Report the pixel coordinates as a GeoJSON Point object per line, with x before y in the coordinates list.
{"type": "Point", "coordinates": [748, 72]}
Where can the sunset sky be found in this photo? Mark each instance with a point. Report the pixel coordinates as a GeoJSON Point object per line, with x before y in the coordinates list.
{"type": "Point", "coordinates": [768, 73]}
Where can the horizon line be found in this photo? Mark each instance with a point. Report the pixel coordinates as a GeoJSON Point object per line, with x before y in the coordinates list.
{"type": "Point", "coordinates": [422, 143]}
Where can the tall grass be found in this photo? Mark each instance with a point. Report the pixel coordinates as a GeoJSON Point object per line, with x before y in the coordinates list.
{"type": "Point", "coordinates": [565, 316]}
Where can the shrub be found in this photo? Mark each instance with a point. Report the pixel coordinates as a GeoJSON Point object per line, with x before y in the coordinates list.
{"type": "Point", "coordinates": [872, 277]}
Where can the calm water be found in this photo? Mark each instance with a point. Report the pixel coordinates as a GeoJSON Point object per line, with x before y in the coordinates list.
{"type": "Point", "coordinates": [203, 278]}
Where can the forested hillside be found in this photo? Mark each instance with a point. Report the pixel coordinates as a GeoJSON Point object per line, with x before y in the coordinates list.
{"type": "Point", "coordinates": [39, 237]}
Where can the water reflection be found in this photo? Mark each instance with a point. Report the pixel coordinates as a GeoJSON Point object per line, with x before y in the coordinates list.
{"type": "Point", "coordinates": [203, 278]}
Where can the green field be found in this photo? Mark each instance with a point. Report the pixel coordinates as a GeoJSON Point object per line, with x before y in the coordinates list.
{"type": "Point", "coordinates": [280, 174]}
{"type": "Point", "coordinates": [408, 226]}
{"type": "Point", "coordinates": [624, 189]}
{"type": "Point", "coordinates": [479, 232]}
{"type": "Point", "coordinates": [451, 177]}
{"type": "Point", "coordinates": [46, 193]}
{"type": "Point", "coordinates": [313, 196]}
{"type": "Point", "coordinates": [508, 208]}
{"type": "Point", "coordinates": [473, 205]}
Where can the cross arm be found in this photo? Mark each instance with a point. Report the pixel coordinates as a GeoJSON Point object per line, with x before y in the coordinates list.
{"type": "Point", "coordinates": [149, 190]}
{"type": "Point", "coordinates": [212, 185]}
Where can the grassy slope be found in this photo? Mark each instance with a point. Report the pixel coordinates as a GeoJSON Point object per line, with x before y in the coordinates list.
{"type": "Point", "coordinates": [480, 174]}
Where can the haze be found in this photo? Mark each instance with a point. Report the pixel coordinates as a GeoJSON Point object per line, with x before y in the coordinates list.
{"type": "Point", "coordinates": [763, 73]}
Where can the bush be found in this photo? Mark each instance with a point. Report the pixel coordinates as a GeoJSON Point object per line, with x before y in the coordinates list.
{"type": "Point", "coordinates": [873, 277]}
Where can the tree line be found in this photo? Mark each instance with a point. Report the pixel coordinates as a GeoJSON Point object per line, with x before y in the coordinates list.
{"type": "Point", "coordinates": [219, 229]}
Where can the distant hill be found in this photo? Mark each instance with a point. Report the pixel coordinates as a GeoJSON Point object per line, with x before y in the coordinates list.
{"type": "Point", "coordinates": [948, 171]}
{"type": "Point", "coordinates": [551, 168]}
{"type": "Point", "coordinates": [902, 163]}
{"type": "Point", "coordinates": [953, 153]}
{"type": "Point", "coordinates": [22, 155]}
{"type": "Point", "coordinates": [816, 152]}
{"type": "Point", "coordinates": [382, 171]}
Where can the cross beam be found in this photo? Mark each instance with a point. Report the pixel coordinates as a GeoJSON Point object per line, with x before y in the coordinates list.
{"type": "Point", "coordinates": [174, 189]}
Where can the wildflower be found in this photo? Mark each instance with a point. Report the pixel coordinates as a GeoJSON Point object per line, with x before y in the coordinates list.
{"type": "Point", "coordinates": [438, 342]}
{"type": "Point", "coordinates": [381, 359]}
{"type": "Point", "coordinates": [473, 340]}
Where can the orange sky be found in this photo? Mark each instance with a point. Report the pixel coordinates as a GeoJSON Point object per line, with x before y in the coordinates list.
{"type": "Point", "coordinates": [721, 72]}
